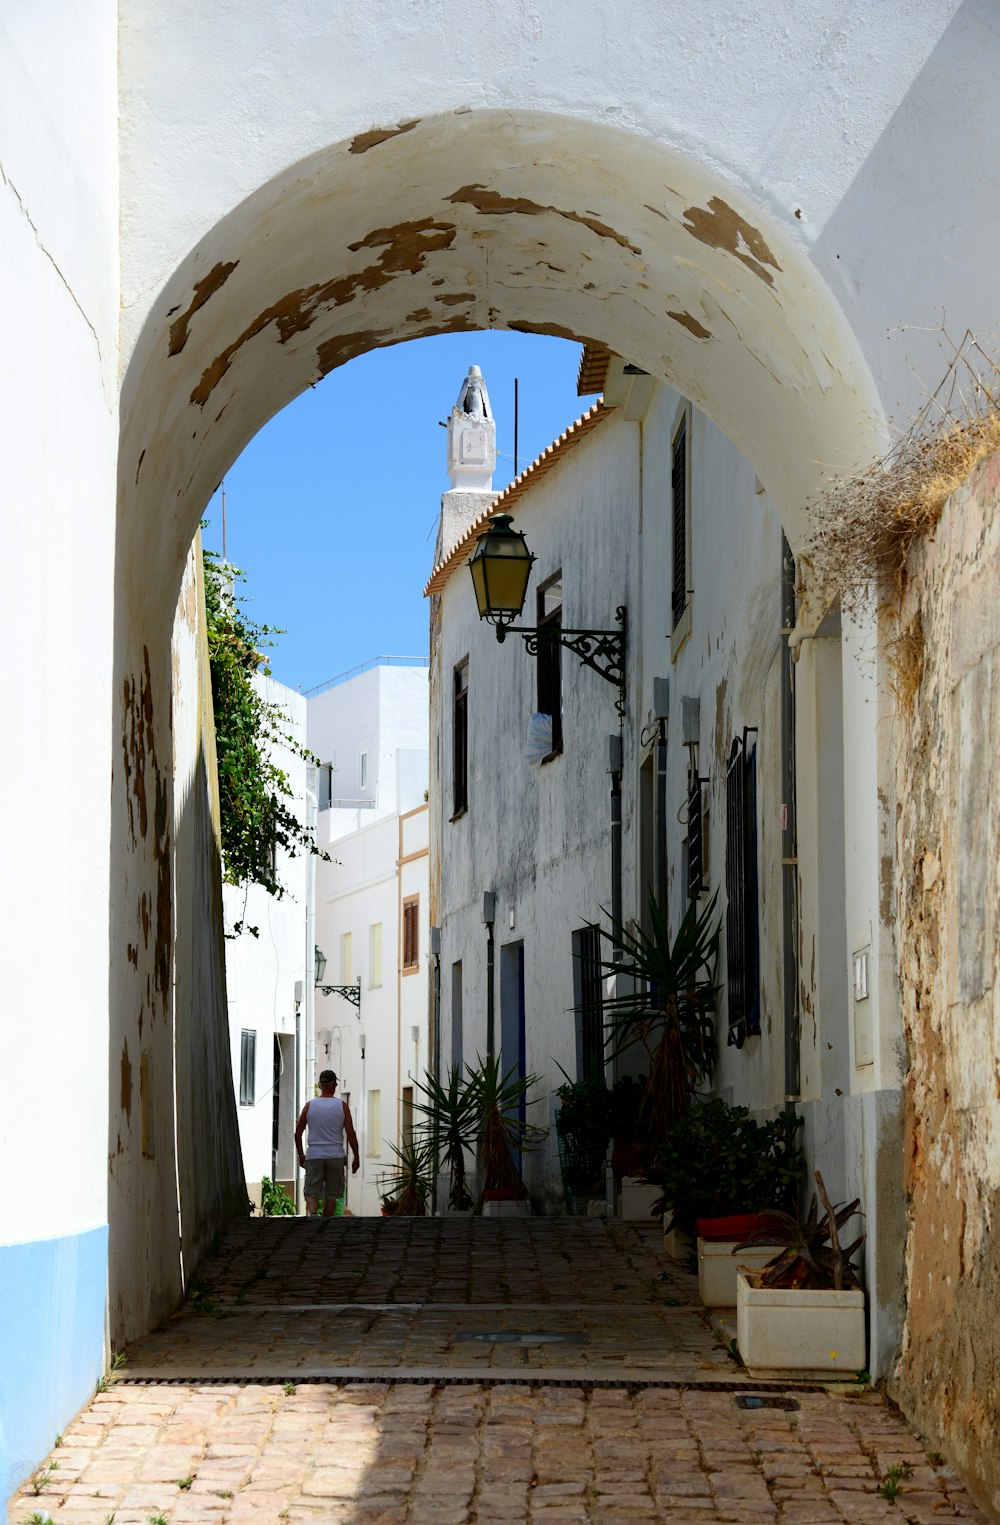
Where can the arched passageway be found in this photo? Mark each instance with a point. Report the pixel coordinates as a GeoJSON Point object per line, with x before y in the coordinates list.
{"type": "Point", "coordinates": [464, 221]}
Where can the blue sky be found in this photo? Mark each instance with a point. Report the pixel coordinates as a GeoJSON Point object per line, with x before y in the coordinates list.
{"type": "Point", "coordinates": [332, 508]}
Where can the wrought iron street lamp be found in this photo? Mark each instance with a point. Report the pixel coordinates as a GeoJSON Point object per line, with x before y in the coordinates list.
{"type": "Point", "coordinates": [350, 993]}
{"type": "Point", "coordinates": [501, 566]}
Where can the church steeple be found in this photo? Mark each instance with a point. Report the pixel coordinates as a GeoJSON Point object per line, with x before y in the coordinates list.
{"type": "Point", "coordinates": [472, 437]}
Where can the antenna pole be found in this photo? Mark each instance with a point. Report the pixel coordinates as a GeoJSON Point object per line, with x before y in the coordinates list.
{"type": "Point", "coordinates": [515, 425]}
{"type": "Point", "coordinates": [224, 557]}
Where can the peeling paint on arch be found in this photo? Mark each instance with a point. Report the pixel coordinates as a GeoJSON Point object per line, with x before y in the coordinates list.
{"type": "Point", "coordinates": [366, 140]}
{"type": "Point", "coordinates": [720, 226]}
{"type": "Point", "coordinates": [691, 324]}
{"type": "Point", "coordinates": [493, 204]}
{"type": "Point", "coordinates": [205, 288]}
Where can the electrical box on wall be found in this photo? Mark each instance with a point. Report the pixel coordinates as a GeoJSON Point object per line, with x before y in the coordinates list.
{"type": "Point", "coordinates": [864, 1035]}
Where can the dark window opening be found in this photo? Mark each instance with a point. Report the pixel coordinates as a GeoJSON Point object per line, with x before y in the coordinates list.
{"type": "Point", "coordinates": [589, 1001]}
{"type": "Point", "coordinates": [248, 1068]}
{"type": "Point", "coordinates": [460, 739]}
{"type": "Point", "coordinates": [549, 621]}
{"type": "Point", "coordinates": [742, 928]}
{"type": "Point", "coordinates": [457, 1054]}
{"type": "Point", "coordinates": [678, 492]}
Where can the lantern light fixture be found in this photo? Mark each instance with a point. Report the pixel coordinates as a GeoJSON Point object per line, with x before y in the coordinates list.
{"type": "Point", "coordinates": [501, 567]}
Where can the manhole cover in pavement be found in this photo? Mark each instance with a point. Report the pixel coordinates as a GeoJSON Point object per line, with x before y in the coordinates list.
{"type": "Point", "coordinates": [755, 1401]}
{"type": "Point", "coordinates": [510, 1337]}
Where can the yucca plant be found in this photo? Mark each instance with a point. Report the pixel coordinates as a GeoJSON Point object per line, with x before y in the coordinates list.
{"type": "Point", "coordinates": [449, 1121]}
{"type": "Point", "coordinates": [406, 1185]}
{"type": "Point", "coordinates": [501, 1132]}
{"type": "Point", "coordinates": [668, 1010]}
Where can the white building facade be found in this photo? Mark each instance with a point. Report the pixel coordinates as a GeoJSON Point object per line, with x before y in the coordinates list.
{"type": "Point", "coordinates": [265, 971]}
{"type": "Point", "coordinates": [644, 505]}
{"type": "Point", "coordinates": [369, 732]}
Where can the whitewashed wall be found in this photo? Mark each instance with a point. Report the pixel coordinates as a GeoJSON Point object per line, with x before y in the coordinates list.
{"type": "Point", "coordinates": [58, 443]}
{"type": "Point", "coordinates": [262, 972]}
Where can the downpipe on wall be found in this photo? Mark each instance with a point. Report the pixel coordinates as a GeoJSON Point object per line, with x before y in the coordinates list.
{"type": "Point", "coordinates": [789, 838]}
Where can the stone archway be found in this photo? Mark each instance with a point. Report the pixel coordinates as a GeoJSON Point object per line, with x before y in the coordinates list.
{"type": "Point", "coordinates": [458, 222]}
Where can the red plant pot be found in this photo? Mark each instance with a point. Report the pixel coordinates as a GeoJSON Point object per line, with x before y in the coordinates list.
{"type": "Point", "coordinates": [505, 1194]}
{"type": "Point", "coordinates": [735, 1226]}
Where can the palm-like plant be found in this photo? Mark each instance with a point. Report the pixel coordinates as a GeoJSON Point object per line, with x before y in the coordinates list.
{"type": "Point", "coordinates": [502, 1130]}
{"type": "Point", "coordinates": [811, 1255]}
{"type": "Point", "coordinates": [449, 1115]}
{"type": "Point", "coordinates": [668, 1010]}
{"type": "Point", "coordinates": [406, 1185]}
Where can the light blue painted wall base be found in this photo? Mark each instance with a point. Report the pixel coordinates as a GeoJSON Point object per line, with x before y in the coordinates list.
{"type": "Point", "coordinates": [52, 1301]}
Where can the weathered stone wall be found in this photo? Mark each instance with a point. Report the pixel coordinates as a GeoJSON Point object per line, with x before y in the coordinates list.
{"type": "Point", "coordinates": [948, 889]}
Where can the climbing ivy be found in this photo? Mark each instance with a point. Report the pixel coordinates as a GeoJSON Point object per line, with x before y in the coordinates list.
{"type": "Point", "coordinates": [254, 792]}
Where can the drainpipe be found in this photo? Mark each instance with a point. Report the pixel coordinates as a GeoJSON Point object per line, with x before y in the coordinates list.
{"type": "Point", "coordinates": [615, 769]}
{"type": "Point", "coordinates": [436, 1034]}
{"type": "Point", "coordinates": [489, 914]}
{"type": "Point", "coordinates": [789, 839]}
{"type": "Point", "coordinates": [660, 813]}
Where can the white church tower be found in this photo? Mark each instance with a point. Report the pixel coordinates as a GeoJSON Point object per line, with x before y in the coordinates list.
{"type": "Point", "coordinates": [472, 454]}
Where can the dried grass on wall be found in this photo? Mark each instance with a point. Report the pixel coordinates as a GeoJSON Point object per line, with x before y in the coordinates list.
{"type": "Point", "coordinates": [867, 525]}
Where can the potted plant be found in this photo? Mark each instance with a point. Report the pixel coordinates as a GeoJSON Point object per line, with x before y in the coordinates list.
{"type": "Point", "coordinates": [668, 1011]}
{"type": "Point", "coordinates": [405, 1187]}
{"type": "Point", "coordinates": [449, 1115]}
{"type": "Point", "coordinates": [583, 1131]}
{"type": "Point", "coordinates": [503, 1132]}
{"type": "Point", "coordinates": [804, 1311]}
{"type": "Point", "coordinates": [721, 1174]}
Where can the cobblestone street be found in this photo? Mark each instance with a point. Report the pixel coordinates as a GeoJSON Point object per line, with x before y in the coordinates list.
{"type": "Point", "coordinates": [453, 1370]}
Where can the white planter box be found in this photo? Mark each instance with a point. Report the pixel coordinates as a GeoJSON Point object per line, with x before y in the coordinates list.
{"type": "Point", "coordinates": [676, 1242]}
{"type": "Point", "coordinates": [806, 1333]}
{"type": "Point", "coordinates": [717, 1268]}
{"type": "Point", "coordinates": [508, 1208]}
{"type": "Point", "coordinates": [638, 1198]}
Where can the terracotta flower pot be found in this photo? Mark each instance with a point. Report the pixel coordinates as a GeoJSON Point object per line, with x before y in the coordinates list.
{"type": "Point", "coordinates": [735, 1226]}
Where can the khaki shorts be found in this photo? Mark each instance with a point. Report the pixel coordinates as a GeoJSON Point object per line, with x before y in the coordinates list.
{"type": "Point", "coordinates": [325, 1178]}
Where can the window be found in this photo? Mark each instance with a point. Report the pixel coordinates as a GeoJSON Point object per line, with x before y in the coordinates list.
{"type": "Point", "coordinates": [742, 934]}
{"type": "Point", "coordinates": [375, 955]}
{"type": "Point", "coordinates": [456, 1015]}
{"type": "Point", "coordinates": [679, 511]}
{"type": "Point", "coordinates": [411, 933]}
{"type": "Point", "coordinates": [373, 1124]}
{"type": "Point", "coordinates": [460, 739]}
{"type": "Point", "coordinates": [589, 1003]}
{"type": "Point", "coordinates": [549, 621]}
{"type": "Point", "coordinates": [248, 1068]}
{"type": "Point", "coordinates": [363, 770]}
{"type": "Point", "coordinates": [694, 838]}
{"type": "Point", "coordinates": [324, 781]}
{"type": "Point", "coordinates": [346, 960]}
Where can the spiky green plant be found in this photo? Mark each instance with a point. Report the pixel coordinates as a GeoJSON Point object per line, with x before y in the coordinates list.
{"type": "Point", "coordinates": [406, 1185]}
{"type": "Point", "coordinates": [449, 1120]}
{"type": "Point", "coordinates": [668, 1010]}
{"type": "Point", "coordinates": [811, 1255]}
{"type": "Point", "coordinates": [502, 1128]}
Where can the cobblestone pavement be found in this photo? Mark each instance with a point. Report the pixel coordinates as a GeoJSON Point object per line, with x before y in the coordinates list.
{"type": "Point", "coordinates": [242, 1408]}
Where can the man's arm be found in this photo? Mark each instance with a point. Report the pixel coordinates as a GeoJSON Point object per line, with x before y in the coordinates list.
{"type": "Point", "coordinates": [352, 1138]}
{"type": "Point", "coordinates": [300, 1128]}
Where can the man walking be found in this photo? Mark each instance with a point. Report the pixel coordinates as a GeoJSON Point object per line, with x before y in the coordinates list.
{"type": "Point", "coordinates": [328, 1118]}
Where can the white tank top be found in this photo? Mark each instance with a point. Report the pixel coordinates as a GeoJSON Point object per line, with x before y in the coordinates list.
{"type": "Point", "coordinates": [325, 1122]}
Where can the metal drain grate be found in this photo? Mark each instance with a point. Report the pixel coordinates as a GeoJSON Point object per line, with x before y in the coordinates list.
{"type": "Point", "coordinates": [509, 1337]}
{"type": "Point", "coordinates": [755, 1401]}
{"type": "Point", "coordinates": [488, 1378]}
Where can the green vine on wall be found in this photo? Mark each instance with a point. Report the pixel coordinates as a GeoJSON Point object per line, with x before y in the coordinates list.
{"type": "Point", "coordinates": [254, 792]}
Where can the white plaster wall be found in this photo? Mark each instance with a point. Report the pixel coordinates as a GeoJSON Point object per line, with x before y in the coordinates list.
{"type": "Point", "coordinates": [58, 441]}
{"type": "Point", "coordinates": [262, 971]}
{"type": "Point", "coordinates": [382, 712]}
{"type": "Point", "coordinates": [538, 837]}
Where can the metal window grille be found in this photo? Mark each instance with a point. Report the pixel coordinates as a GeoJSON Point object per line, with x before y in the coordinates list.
{"type": "Point", "coordinates": [590, 1001]}
{"type": "Point", "coordinates": [678, 490]}
{"type": "Point", "coordinates": [694, 837]}
{"type": "Point", "coordinates": [742, 931]}
{"type": "Point", "coordinates": [549, 623]}
{"type": "Point", "coordinates": [460, 740]}
{"type": "Point", "coordinates": [248, 1068]}
{"type": "Point", "coordinates": [411, 933]}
